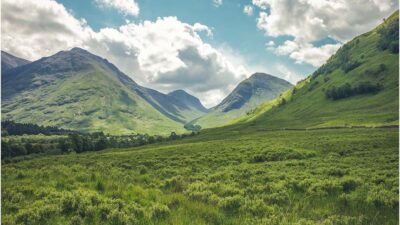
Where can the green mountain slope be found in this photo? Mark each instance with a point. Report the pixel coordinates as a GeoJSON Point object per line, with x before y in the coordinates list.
{"type": "Point", "coordinates": [356, 86]}
{"type": "Point", "coordinates": [9, 61]}
{"type": "Point", "coordinates": [175, 107]}
{"type": "Point", "coordinates": [78, 90]}
{"type": "Point", "coordinates": [245, 97]}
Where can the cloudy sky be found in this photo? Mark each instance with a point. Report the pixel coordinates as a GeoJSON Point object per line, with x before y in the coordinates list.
{"type": "Point", "coordinates": [204, 47]}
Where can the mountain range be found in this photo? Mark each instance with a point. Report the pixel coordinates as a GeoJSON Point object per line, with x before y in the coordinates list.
{"type": "Point", "coordinates": [247, 95]}
{"type": "Point", "coordinates": [75, 89]}
{"type": "Point", "coordinates": [78, 90]}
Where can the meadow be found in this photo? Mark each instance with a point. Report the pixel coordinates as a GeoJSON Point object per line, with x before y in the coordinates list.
{"type": "Point", "coordinates": [222, 176]}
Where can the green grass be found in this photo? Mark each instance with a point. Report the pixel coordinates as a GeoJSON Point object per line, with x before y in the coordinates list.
{"type": "Point", "coordinates": [223, 176]}
{"type": "Point", "coordinates": [308, 107]}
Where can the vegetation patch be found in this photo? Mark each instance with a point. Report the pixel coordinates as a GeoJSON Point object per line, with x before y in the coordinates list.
{"type": "Point", "coordinates": [347, 90]}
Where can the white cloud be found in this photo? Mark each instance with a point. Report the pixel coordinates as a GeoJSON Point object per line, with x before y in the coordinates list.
{"type": "Point", "coordinates": [288, 74]}
{"type": "Point", "coordinates": [200, 27]}
{"type": "Point", "coordinates": [270, 46]}
{"type": "Point", "coordinates": [315, 56]}
{"type": "Point", "coordinates": [126, 7]}
{"type": "Point", "coordinates": [165, 54]}
{"type": "Point", "coordinates": [308, 21]}
{"type": "Point", "coordinates": [248, 10]}
{"type": "Point", "coordinates": [218, 3]}
{"type": "Point", "coordinates": [263, 4]}
{"type": "Point", "coordinates": [270, 43]}
{"type": "Point", "coordinates": [305, 52]}
{"type": "Point", "coordinates": [39, 28]}
{"type": "Point", "coordinates": [287, 48]}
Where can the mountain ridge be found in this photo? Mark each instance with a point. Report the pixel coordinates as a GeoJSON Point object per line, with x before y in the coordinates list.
{"type": "Point", "coordinates": [246, 96]}
{"type": "Point", "coordinates": [72, 82]}
{"type": "Point", "coordinates": [9, 61]}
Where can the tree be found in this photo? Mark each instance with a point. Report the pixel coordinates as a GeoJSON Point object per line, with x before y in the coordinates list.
{"type": "Point", "coordinates": [5, 149]}
{"type": "Point", "coordinates": [173, 136]}
{"type": "Point", "coordinates": [282, 102]}
{"type": "Point", "coordinates": [65, 145]}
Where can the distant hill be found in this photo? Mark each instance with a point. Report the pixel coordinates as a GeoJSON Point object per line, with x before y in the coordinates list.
{"type": "Point", "coordinates": [187, 99]}
{"type": "Point", "coordinates": [174, 107]}
{"type": "Point", "coordinates": [358, 86]}
{"type": "Point", "coordinates": [78, 90]}
{"type": "Point", "coordinates": [250, 93]}
{"type": "Point", "coordinates": [9, 61]}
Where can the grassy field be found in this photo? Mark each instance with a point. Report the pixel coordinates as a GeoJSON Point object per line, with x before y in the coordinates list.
{"type": "Point", "coordinates": [229, 176]}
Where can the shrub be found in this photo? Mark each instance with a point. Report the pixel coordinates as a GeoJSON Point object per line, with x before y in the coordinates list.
{"type": "Point", "coordinates": [259, 158]}
{"type": "Point", "coordinates": [313, 85]}
{"type": "Point", "coordinates": [280, 156]}
{"type": "Point", "coordinates": [117, 217]}
{"type": "Point", "coordinates": [200, 191]}
{"type": "Point", "coordinates": [350, 65]}
{"type": "Point", "coordinates": [27, 217]}
{"type": "Point", "coordinates": [76, 220]}
{"type": "Point", "coordinates": [282, 102]}
{"type": "Point", "coordinates": [336, 172]}
{"type": "Point", "coordinates": [380, 196]}
{"type": "Point", "coordinates": [325, 187]}
{"type": "Point", "coordinates": [389, 37]}
{"type": "Point", "coordinates": [38, 214]}
{"type": "Point", "coordinates": [142, 169]}
{"type": "Point", "coordinates": [342, 220]}
{"type": "Point", "coordinates": [105, 210]}
{"type": "Point", "coordinates": [256, 208]}
{"type": "Point", "coordinates": [349, 185]}
{"type": "Point", "coordinates": [136, 210]}
{"type": "Point", "coordinates": [277, 197]}
{"type": "Point", "coordinates": [175, 184]}
{"type": "Point", "coordinates": [159, 211]}
{"type": "Point", "coordinates": [68, 203]}
{"type": "Point", "coordinates": [100, 186]}
{"type": "Point", "coordinates": [231, 203]}
{"type": "Point", "coordinates": [348, 91]}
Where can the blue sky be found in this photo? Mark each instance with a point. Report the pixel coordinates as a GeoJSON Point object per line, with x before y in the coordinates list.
{"type": "Point", "coordinates": [205, 47]}
{"type": "Point", "coordinates": [230, 26]}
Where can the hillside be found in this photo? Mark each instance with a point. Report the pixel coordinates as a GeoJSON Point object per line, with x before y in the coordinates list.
{"type": "Point", "coordinates": [9, 61]}
{"type": "Point", "coordinates": [192, 108]}
{"type": "Point", "coordinates": [187, 99]}
{"type": "Point", "coordinates": [358, 86]}
{"type": "Point", "coordinates": [175, 107]}
{"type": "Point", "coordinates": [249, 94]}
{"type": "Point", "coordinates": [78, 90]}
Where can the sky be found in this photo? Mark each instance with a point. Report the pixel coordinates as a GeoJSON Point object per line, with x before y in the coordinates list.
{"type": "Point", "coordinates": [203, 47]}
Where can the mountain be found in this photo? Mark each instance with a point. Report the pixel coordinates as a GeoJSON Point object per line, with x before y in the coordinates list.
{"type": "Point", "coordinates": [187, 99]}
{"type": "Point", "coordinates": [190, 106]}
{"type": "Point", "coordinates": [177, 108]}
{"type": "Point", "coordinates": [358, 86]}
{"type": "Point", "coordinates": [250, 93]}
{"type": "Point", "coordinates": [9, 61]}
{"type": "Point", "coordinates": [78, 90]}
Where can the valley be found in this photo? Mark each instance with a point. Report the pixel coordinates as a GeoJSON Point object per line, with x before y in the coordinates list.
{"type": "Point", "coordinates": [83, 143]}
